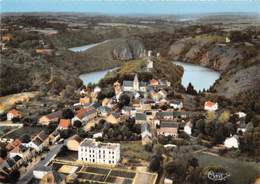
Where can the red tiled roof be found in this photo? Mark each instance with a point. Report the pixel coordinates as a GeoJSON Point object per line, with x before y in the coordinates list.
{"type": "Point", "coordinates": [209, 103]}
{"type": "Point", "coordinates": [153, 82]}
{"type": "Point", "coordinates": [84, 112]}
{"type": "Point", "coordinates": [54, 115]}
{"type": "Point", "coordinates": [13, 144]}
{"type": "Point", "coordinates": [15, 112]}
{"type": "Point", "coordinates": [64, 123]}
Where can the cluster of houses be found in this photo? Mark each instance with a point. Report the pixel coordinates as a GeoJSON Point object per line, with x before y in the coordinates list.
{"type": "Point", "coordinates": [21, 151]}
{"type": "Point", "coordinates": [145, 100]}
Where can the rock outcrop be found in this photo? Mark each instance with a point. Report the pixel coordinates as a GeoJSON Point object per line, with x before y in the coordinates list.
{"type": "Point", "coordinates": [206, 52]}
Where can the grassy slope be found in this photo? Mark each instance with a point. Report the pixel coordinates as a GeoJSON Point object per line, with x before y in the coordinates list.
{"type": "Point", "coordinates": [241, 172]}
{"type": "Point", "coordinates": [6, 102]}
{"type": "Point", "coordinates": [162, 70]}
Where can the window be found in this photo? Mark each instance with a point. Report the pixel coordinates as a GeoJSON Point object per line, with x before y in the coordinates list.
{"type": "Point", "coordinates": [109, 161]}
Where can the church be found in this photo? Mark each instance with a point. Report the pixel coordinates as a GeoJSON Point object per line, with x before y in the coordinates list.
{"type": "Point", "coordinates": [134, 86]}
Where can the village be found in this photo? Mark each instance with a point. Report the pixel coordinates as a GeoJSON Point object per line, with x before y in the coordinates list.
{"type": "Point", "coordinates": [138, 124]}
{"type": "Point", "coordinates": [123, 138]}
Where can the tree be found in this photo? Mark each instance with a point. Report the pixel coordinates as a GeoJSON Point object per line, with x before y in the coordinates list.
{"type": "Point", "coordinates": [209, 128]}
{"type": "Point", "coordinates": [158, 150]}
{"type": "Point", "coordinates": [14, 176]}
{"type": "Point", "coordinates": [220, 133]}
{"type": "Point", "coordinates": [154, 164]}
{"type": "Point", "coordinates": [77, 124]}
{"type": "Point", "coordinates": [67, 113]}
{"type": "Point", "coordinates": [64, 134]}
{"type": "Point", "coordinates": [50, 128]}
{"type": "Point", "coordinates": [210, 116]}
{"type": "Point", "coordinates": [191, 90]}
{"type": "Point", "coordinates": [224, 117]}
{"type": "Point", "coordinates": [124, 100]}
{"type": "Point", "coordinates": [200, 124]}
{"type": "Point", "coordinates": [63, 150]}
{"type": "Point", "coordinates": [3, 153]}
{"type": "Point", "coordinates": [193, 162]}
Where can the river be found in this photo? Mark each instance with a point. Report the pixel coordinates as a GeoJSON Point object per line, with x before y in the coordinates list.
{"type": "Point", "coordinates": [94, 77]}
{"type": "Point", "coordinates": [200, 77]}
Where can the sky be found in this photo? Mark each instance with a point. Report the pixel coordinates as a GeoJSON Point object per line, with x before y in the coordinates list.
{"type": "Point", "coordinates": [132, 6]}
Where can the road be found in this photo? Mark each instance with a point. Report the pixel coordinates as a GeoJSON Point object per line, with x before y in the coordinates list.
{"type": "Point", "coordinates": [54, 150]}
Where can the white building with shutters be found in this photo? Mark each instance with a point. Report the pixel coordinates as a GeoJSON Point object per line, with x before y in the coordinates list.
{"type": "Point", "coordinates": [97, 152]}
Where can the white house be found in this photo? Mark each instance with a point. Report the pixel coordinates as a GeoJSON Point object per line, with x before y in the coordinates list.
{"type": "Point", "coordinates": [13, 114]}
{"type": "Point", "coordinates": [97, 135]}
{"type": "Point", "coordinates": [146, 134]}
{"type": "Point", "coordinates": [133, 86]}
{"type": "Point", "coordinates": [41, 171]}
{"type": "Point", "coordinates": [241, 114]}
{"type": "Point", "coordinates": [231, 142]}
{"type": "Point", "coordinates": [176, 104]}
{"type": "Point", "coordinates": [187, 128]}
{"type": "Point", "coordinates": [149, 53]}
{"type": "Point", "coordinates": [210, 106]}
{"type": "Point", "coordinates": [98, 152]}
{"type": "Point", "coordinates": [36, 144]}
{"type": "Point", "coordinates": [149, 65]}
{"type": "Point", "coordinates": [97, 89]}
{"type": "Point", "coordinates": [227, 39]}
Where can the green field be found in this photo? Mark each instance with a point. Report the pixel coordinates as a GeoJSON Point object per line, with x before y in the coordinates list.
{"type": "Point", "coordinates": [134, 151]}
{"type": "Point", "coordinates": [241, 172]}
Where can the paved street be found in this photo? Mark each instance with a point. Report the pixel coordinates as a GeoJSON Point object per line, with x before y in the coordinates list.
{"type": "Point", "coordinates": [54, 150]}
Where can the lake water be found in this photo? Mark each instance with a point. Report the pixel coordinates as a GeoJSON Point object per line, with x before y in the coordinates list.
{"type": "Point", "coordinates": [94, 77]}
{"type": "Point", "coordinates": [85, 47]}
{"type": "Point", "coordinates": [199, 76]}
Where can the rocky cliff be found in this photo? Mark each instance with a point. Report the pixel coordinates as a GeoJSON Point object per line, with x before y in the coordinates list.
{"type": "Point", "coordinates": [238, 63]}
{"type": "Point", "coordinates": [206, 51]}
{"type": "Point", "coordinates": [20, 71]}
